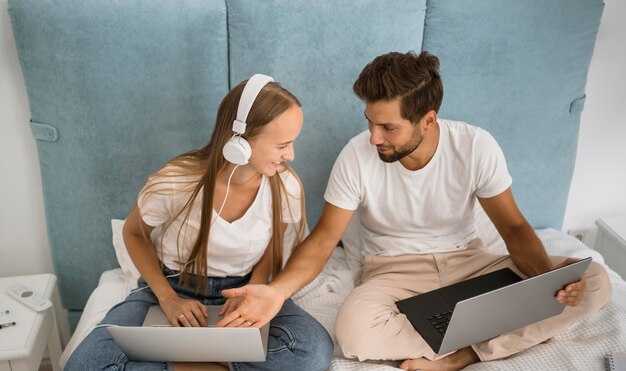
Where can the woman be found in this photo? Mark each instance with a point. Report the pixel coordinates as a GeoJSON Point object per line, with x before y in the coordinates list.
{"type": "Point", "coordinates": [203, 224]}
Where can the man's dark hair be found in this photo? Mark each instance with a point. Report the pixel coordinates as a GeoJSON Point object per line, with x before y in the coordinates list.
{"type": "Point", "coordinates": [413, 78]}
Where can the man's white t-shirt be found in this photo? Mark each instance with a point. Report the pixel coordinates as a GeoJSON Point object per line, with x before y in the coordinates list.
{"type": "Point", "coordinates": [424, 211]}
{"type": "Point", "coordinates": [234, 248]}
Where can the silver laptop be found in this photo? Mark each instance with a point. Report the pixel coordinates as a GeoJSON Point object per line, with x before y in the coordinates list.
{"type": "Point", "coordinates": [471, 311]}
{"type": "Point", "coordinates": [157, 340]}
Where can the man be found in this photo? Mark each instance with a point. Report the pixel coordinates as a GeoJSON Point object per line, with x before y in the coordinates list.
{"type": "Point", "coordinates": [415, 179]}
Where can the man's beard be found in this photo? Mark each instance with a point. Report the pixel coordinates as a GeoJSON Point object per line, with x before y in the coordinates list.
{"type": "Point", "coordinates": [402, 151]}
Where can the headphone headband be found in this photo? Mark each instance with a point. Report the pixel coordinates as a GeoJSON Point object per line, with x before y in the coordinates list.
{"type": "Point", "coordinates": [237, 150]}
{"type": "Point", "coordinates": [252, 89]}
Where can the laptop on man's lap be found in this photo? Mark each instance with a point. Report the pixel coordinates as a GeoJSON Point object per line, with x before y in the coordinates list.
{"type": "Point", "coordinates": [483, 307]}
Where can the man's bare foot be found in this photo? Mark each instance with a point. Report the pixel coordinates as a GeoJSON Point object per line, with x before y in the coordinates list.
{"type": "Point", "coordinates": [455, 361]}
{"type": "Point", "coordinates": [200, 366]}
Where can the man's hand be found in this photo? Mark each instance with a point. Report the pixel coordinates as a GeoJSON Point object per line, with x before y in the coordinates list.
{"type": "Point", "coordinates": [184, 312]}
{"type": "Point", "coordinates": [260, 304]}
{"type": "Point", "coordinates": [572, 294]}
{"type": "Point", "coordinates": [230, 305]}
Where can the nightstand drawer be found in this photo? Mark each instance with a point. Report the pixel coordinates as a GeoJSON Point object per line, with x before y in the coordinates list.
{"type": "Point", "coordinates": [611, 243]}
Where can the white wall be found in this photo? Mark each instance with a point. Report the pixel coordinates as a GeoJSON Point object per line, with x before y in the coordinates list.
{"type": "Point", "coordinates": [23, 239]}
{"type": "Point", "coordinates": [598, 189]}
{"type": "Point", "coordinates": [599, 184]}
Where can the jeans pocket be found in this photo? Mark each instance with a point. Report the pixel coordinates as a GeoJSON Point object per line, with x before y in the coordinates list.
{"type": "Point", "coordinates": [280, 338]}
{"type": "Point", "coordinates": [120, 362]}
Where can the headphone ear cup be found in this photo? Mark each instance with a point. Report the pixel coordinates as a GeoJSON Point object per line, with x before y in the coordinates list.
{"type": "Point", "coordinates": [237, 151]}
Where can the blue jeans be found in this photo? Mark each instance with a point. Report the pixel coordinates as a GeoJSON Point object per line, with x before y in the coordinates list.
{"type": "Point", "coordinates": [296, 340]}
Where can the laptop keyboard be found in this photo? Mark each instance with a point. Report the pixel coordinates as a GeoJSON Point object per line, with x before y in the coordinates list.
{"type": "Point", "coordinates": [440, 321]}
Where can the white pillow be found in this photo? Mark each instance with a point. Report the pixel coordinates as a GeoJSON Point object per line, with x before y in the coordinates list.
{"type": "Point", "coordinates": [130, 272]}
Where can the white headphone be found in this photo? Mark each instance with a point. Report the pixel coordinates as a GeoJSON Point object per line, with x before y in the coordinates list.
{"type": "Point", "coordinates": [237, 150]}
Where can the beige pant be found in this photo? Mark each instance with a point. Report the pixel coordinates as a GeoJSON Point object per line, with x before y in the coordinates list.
{"type": "Point", "coordinates": [369, 325]}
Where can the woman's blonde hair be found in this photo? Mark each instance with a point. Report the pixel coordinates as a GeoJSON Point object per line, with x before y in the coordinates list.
{"type": "Point", "coordinates": [203, 165]}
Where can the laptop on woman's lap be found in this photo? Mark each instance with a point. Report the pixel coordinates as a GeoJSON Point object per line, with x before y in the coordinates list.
{"type": "Point", "coordinates": [158, 340]}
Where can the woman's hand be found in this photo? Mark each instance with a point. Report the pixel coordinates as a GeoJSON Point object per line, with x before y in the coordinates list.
{"type": "Point", "coordinates": [184, 312]}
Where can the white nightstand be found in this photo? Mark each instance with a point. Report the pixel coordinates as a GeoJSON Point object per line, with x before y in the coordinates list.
{"type": "Point", "coordinates": [611, 243]}
{"type": "Point", "coordinates": [22, 346]}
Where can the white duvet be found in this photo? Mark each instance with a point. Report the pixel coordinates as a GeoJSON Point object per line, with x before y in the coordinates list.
{"type": "Point", "coordinates": [581, 347]}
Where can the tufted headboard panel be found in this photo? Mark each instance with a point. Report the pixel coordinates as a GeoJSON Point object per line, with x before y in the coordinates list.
{"type": "Point", "coordinates": [117, 87]}
{"type": "Point", "coordinates": [518, 69]}
{"type": "Point", "coordinates": [319, 64]}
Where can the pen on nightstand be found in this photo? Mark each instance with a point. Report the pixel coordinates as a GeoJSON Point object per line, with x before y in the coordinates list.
{"type": "Point", "coordinates": [8, 324]}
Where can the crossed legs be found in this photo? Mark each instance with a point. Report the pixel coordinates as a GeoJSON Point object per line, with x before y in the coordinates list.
{"type": "Point", "coordinates": [369, 325]}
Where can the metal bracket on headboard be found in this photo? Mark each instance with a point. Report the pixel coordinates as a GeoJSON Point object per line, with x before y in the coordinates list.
{"type": "Point", "coordinates": [45, 132]}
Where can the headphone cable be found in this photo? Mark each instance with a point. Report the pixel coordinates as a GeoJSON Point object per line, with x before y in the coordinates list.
{"type": "Point", "coordinates": [225, 196]}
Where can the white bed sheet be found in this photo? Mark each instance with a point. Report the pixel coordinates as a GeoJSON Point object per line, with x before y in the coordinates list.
{"type": "Point", "coordinates": [580, 347]}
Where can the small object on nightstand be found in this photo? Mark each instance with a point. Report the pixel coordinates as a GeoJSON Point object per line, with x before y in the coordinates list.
{"type": "Point", "coordinates": [23, 345]}
{"type": "Point", "coordinates": [27, 297]}
{"type": "Point", "coordinates": [8, 324]}
{"type": "Point", "coordinates": [611, 243]}
{"type": "Point", "coordinates": [615, 362]}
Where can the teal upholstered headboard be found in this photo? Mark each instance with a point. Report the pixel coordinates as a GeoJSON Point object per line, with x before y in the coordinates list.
{"type": "Point", "coordinates": [125, 85]}
{"type": "Point", "coordinates": [117, 87]}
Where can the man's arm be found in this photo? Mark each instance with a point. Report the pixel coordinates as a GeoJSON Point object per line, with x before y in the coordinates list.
{"type": "Point", "coordinates": [260, 275]}
{"type": "Point", "coordinates": [526, 250]}
{"type": "Point", "coordinates": [262, 302]}
{"type": "Point", "coordinates": [310, 257]}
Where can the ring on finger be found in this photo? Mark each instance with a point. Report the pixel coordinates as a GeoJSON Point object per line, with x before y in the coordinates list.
{"type": "Point", "coordinates": [182, 316]}
{"type": "Point", "coordinates": [247, 323]}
